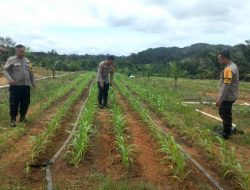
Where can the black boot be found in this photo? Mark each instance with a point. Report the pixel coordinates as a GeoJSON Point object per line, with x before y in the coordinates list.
{"type": "Point", "coordinates": [23, 120]}
{"type": "Point", "coordinates": [100, 106]}
{"type": "Point", "coordinates": [13, 122]}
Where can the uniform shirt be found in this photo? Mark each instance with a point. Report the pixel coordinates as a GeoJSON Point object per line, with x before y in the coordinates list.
{"type": "Point", "coordinates": [104, 70]}
{"type": "Point", "coordinates": [229, 83]}
{"type": "Point", "coordinates": [19, 70]}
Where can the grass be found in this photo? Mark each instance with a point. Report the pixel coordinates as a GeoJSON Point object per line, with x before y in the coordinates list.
{"type": "Point", "coordinates": [108, 184]}
{"type": "Point", "coordinates": [101, 182]}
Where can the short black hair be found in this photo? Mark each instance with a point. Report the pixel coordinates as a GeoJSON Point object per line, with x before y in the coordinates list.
{"type": "Point", "coordinates": [19, 46]}
{"type": "Point", "coordinates": [110, 58]}
{"type": "Point", "coordinates": [225, 54]}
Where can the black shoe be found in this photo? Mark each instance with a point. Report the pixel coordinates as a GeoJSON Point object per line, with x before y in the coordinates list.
{"type": "Point", "coordinates": [101, 106]}
{"type": "Point", "coordinates": [12, 123]}
{"type": "Point", "coordinates": [225, 136]}
{"type": "Point", "coordinates": [23, 120]}
{"type": "Point", "coordinates": [107, 106]}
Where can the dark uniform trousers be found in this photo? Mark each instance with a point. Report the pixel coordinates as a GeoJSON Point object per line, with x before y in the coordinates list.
{"type": "Point", "coordinates": [19, 98]}
{"type": "Point", "coordinates": [225, 112]}
{"type": "Point", "coordinates": [103, 94]}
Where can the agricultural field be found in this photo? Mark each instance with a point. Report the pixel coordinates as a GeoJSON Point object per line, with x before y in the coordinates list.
{"type": "Point", "coordinates": [149, 139]}
{"type": "Point", "coordinates": [39, 72]}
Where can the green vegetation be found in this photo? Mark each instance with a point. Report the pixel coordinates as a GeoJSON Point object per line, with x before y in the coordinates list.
{"type": "Point", "coordinates": [198, 61]}
{"type": "Point", "coordinates": [169, 147]}
{"type": "Point", "coordinates": [81, 137]}
{"type": "Point", "coordinates": [126, 150]}
{"type": "Point", "coordinates": [41, 99]}
{"type": "Point", "coordinates": [190, 125]}
{"type": "Point", "coordinates": [40, 141]}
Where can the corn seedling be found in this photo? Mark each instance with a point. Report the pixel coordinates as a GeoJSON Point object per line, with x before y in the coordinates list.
{"type": "Point", "coordinates": [81, 138]}
{"type": "Point", "coordinates": [126, 151]}
{"type": "Point", "coordinates": [40, 141]}
{"type": "Point", "coordinates": [168, 146]}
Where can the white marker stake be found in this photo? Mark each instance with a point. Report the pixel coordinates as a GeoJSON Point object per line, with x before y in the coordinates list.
{"type": "Point", "coordinates": [212, 116]}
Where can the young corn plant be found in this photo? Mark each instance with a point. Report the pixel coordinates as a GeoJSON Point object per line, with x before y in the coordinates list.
{"type": "Point", "coordinates": [168, 107]}
{"type": "Point", "coordinates": [80, 142]}
{"type": "Point", "coordinates": [40, 142]}
{"type": "Point", "coordinates": [39, 96]}
{"type": "Point", "coordinates": [168, 146]}
{"type": "Point", "coordinates": [228, 158]}
{"type": "Point", "coordinates": [244, 180]}
{"type": "Point", "coordinates": [199, 135]}
{"type": "Point", "coordinates": [126, 150]}
{"type": "Point", "coordinates": [231, 167]}
{"type": "Point", "coordinates": [81, 137]}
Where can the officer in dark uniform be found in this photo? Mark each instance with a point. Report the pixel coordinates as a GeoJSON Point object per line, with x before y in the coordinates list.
{"type": "Point", "coordinates": [228, 91]}
{"type": "Point", "coordinates": [18, 71]}
{"type": "Point", "coordinates": [105, 77]}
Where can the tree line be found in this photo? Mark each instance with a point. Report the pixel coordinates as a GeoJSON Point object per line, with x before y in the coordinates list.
{"type": "Point", "coordinates": [198, 61]}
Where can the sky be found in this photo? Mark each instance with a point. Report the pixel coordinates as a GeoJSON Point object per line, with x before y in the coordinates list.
{"type": "Point", "coordinates": [123, 27]}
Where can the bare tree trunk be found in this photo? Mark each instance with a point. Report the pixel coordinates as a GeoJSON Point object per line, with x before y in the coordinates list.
{"type": "Point", "coordinates": [175, 83]}
{"type": "Point", "coordinates": [53, 71]}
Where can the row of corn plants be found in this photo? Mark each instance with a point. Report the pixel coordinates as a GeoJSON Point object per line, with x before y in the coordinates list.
{"type": "Point", "coordinates": [40, 142]}
{"type": "Point", "coordinates": [169, 108]}
{"type": "Point", "coordinates": [84, 129]}
{"type": "Point", "coordinates": [173, 152]}
{"type": "Point", "coordinates": [58, 94]}
{"type": "Point", "coordinates": [200, 136]}
{"type": "Point", "coordinates": [231, 167]}
{"type": "Point", "coordinates": [52, 97]}
{"type": "Point", "coordinates": [126, 150]}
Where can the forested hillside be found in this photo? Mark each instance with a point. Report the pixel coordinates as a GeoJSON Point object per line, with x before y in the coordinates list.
{"type": "Point", "coordinates": [195, 61]}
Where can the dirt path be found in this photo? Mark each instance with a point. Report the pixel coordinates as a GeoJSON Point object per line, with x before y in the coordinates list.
{"type": "Point", "coordinates": [14, 161]}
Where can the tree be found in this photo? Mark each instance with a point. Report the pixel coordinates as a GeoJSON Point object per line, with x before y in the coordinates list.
{"type": "Point", "coordinates": [175, 72]}
{"type": "Point", "coordinates": [7, 42]}
{"type": "Point", "coordinates": [148, 70]}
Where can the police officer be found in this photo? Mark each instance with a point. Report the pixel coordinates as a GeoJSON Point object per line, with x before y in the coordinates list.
{"type": "Point", "coordinates": [105, 77]}
{"type": "Point", "coordinates": [18, 71]}
{"type": "Point", "coordinates": [228, 91]}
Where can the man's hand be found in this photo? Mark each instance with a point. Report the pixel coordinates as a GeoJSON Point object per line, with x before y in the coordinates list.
{"type": "Point", "coordinates": [102, 85]}
{"type": "Point", "coordinates": [218, 103]}
{"type": "Point", "coordinates": [11, 82]}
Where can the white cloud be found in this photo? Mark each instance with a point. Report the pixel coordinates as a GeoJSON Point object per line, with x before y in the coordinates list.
{"type": "Point", "coordinates": [123, 27]}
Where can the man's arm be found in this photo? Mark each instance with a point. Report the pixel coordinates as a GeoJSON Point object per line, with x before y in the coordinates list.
{"type": "Point", "coordinates": [99, 75]}
{"type": "Point", "coordinates": [112, 73]}
{"type": "Point", "coordinates": [228, 76]}
{"type": "Point", "coordinates": [31, 74]}
{"type": "Point", "coordinates": [7, 71]}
